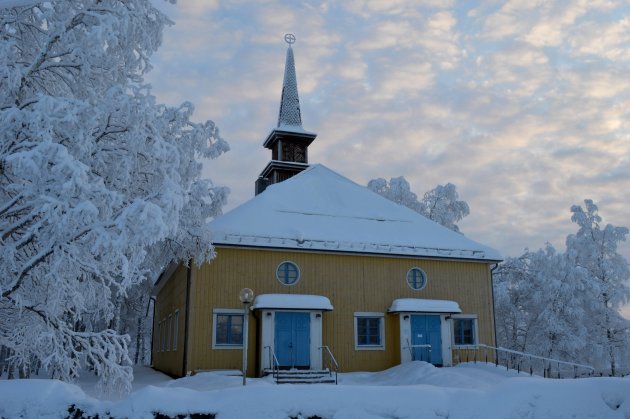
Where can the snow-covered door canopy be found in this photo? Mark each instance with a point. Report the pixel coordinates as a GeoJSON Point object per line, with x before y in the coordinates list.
{"type": "Point", "coordinates": [292, 302]}
{"type": "Point", "coordinates": [418, 305]}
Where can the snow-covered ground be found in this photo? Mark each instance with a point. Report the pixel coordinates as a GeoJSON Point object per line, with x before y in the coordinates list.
{"type": "Point", "coordinates": [414, 390]}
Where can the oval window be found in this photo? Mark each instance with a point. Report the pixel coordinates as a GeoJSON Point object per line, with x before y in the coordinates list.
{"type": "Point", "coordinates": [288, 273]}
{"type": "Point", "coordinates": [416, 279]}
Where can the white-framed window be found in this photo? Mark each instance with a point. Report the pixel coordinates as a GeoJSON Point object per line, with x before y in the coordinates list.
{"type": "Point", "coordinates": [288, 273]}
{"type": "Point", "coordinates": [163, 334]}
{"type": "Point", "coordinates": [170, 331]}
{"type": "Point", "coordinates": [369, 331]}
{"type": "Point", "coordinates": [465, 330]}
{"type": "Point", "coordinates": [175, 329]}
{"type": "Point", "coordinates": [416, 279]}
{"type": "Point", "coordinates": [227, 328]}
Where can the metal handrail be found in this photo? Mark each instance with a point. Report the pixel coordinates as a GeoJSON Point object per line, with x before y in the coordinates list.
{"type": "Point", "coordinates": [332, 361]}
{"type": "Point", "coordinates": [410, 347]}
{"type": "Point", "coordinates": [273, 362]}
{"type": "Point", "coordinates": [546, 362]}
{"type": "Point", "coordinates": [555, 361]}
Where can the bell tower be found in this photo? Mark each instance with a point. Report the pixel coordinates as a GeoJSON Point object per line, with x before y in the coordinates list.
{"type": "Point", "coordinates": [288, 142]}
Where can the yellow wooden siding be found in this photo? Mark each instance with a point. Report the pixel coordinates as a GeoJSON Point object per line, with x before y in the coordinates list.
{"type": "Point", "coordinates": [473, 355]}
{"type": "Point", "coordinates": [171, 298]}
{"type": "Point", "coordinates": [353, 283]}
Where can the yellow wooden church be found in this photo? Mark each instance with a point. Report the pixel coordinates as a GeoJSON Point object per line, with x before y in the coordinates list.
{"type": "Point", "coordinates": [338, 272]}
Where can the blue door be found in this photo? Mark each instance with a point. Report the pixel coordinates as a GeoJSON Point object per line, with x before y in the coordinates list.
{"type": "Point", "coordinates": [427, 330]}
{"type": "Point", "coordinates": [293, 339]}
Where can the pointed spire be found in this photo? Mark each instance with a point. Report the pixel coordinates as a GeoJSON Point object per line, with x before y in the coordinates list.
{"type": "Point", "coordinates": [288, 142]}
{"type": "Point", "coordinates": [290, 103]}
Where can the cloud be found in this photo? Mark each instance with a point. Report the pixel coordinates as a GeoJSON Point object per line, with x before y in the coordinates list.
{"type": "Point", "coordinates": [371, 8]}
{"type": "Point", "coordinates": [610, 41]}
{"type": "Point", "coordinates": [524, 105]}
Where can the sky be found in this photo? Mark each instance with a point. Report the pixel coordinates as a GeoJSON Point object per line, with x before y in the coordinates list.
{"type": "Point", "coordinates": [523, 105]}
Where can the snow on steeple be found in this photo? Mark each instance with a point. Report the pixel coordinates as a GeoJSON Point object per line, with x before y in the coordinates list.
{"type": "Point", "coordinates": [289, 114]}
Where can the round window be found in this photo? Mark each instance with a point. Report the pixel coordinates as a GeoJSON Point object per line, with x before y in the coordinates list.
{"type": "Point", "coordinates": [416, 279]}
{"type": "Point", "coordinates": [288, 273]}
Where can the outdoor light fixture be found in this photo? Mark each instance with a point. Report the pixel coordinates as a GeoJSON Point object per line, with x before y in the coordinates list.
{"type": "Point", "coordinates": [318, 316]}
{"type": "Point", "coordinates": [246, 296]}
{"type": "Point", "coordinates": [406, 317]}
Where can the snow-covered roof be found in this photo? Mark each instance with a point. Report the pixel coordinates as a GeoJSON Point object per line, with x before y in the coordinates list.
{"type": "Point", "coordinates": [418, 305]}
{"type": "Point", "coordinates": [320, 210]}
{"type": "Point", "coordinates": [292, 301]}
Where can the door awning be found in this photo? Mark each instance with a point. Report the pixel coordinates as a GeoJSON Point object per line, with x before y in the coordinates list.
{"type": "Point", "coordinates": [418, 305]}
{"type": "Point", "coordinates": [292, 302]}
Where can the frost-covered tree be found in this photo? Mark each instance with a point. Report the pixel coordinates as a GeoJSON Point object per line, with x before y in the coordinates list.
{"type": "Point", "coordinates": [440, 204]}
{"type": "Point", "coordinates": [443, 206]}
{"type": "Point", "coordinates": [594, 248]}
{"type": "Point", "coordinates": [535, 304]}
{"type": "Point", "coordinates": [397, 190]}
{"type": "Point", "coordinates": [99, 184]}
{"type": "Point", "coordinates": [566, 305]}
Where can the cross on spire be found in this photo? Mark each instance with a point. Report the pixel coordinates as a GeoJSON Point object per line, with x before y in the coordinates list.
{"type": "Point", "coordinates": [289, 114]}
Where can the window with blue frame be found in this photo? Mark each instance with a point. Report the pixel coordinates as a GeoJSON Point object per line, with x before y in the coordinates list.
{"type": "Point", "coordinates": [464, 331]}
{"type": "Point", "coordinates": [288, 273]}
{"type": "Point", "coordinates": [369, 331]}
{"type": "Point", "coordinates": [416, 279]}
{"type": "Point", "coordinates": [228, 329]}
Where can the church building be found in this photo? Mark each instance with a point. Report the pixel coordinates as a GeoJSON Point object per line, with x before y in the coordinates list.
{"type": "Point", "coordinates": [337, 271]}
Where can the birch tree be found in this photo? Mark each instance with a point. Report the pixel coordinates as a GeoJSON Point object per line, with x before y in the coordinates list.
{"type": "Point", "coordinates": [99, 184]}
{"type": "Point", "coordinates": [594, 248]}
{"type": "Point", "coordinates": [440, 204]}
{"type": "Point", "coordinates": [538, 304]}
{"type": "Point", "coordinates": [567, 305]}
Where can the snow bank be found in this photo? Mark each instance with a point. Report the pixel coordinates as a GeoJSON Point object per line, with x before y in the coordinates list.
{"type": "Point", "coordinates": [37, 398]}
{"type": "Point", "coordinates": [413, 390]}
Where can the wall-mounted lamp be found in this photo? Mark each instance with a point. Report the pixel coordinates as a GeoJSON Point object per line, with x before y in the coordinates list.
{"type": "Point", "coordinates": [406, 317]}
{"type": "Point", "coordinates": [318, 315]}
{"type": "Point", "coordinates": [269, 314]}
{"type": "Point", "coordinates": [447, 318]}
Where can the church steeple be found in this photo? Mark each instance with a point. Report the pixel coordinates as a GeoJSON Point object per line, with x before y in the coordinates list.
{"type": "Point", "coordinates": [288, 142]}
{"type": "Point", "coordinates": [289, 114]}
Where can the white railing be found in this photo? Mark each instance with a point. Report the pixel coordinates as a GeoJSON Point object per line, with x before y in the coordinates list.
{"type": "Point", "coordinates": [411, 352]}
{"type": "Point", "coordinates": [522, 361]}
{"type": "Point", "coordinates": [273, 362]}
{"type": "Point", "coordinates": [331, 361]}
